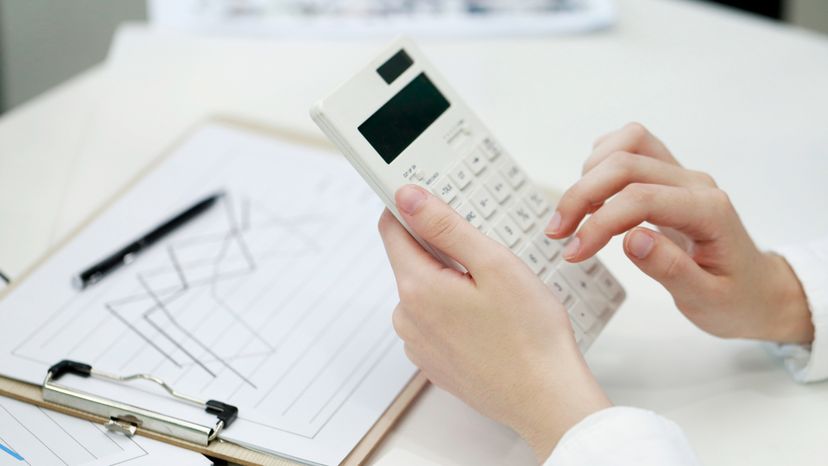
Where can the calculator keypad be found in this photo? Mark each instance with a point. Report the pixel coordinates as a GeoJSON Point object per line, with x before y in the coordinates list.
{"type": "Point", "coordinates": [446, 191]}
{"type": "Point", "coordinates": [549, 247]}
{"type": "Point", "coordinates": [513, 174]}
{"type": "Point", "coordinates": [484, 202]}
{"type": "Point", "coordinates": [491, 149]}
{"type": "Point", "coordinates": [467, 211]}
{"type": "Point", "coordinates": [476, 161]}
{"type": "Point", "coordinates": [556, 283]}
{"type": "Point", "coordinates": [497, 185]}
{"type": "Point", "coordinates": [537, 202]}
{"type": "Point", "coordinates": [534, 259]}
{"type": "Point", "coordinates": [520, 214]}
{"type": "Point", "coordinates": [461, 176]}
{"type": "Point", "coordinates": [508, 232]}
{"type": "Point", "coordinates": [492, 193]}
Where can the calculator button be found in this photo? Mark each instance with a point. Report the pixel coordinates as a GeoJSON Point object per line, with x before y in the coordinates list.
{"type": "Point", "coordinates": [523, 217]}
{"type": "Point", "coordinates": [491, 149]}
{"type": "Point", "coordinates": [513, 174]}
{"type": "Point", "coordinates": [534, 259]}
{"type": "Point", "coordinates": [582, 315]}
{"type": "Point", "coordinates": [508, 231]}
{"type": "Point", "coordinates": [467, 211]}
{"type": "Point", "coordinates": [591, 266]}
{"type": "Point", "coordinates": [560, 289]}
{"type": "Point", "coordinates": [549, 247]}
{"type": "Point", "coordinates": [600, 306]}
{"type": "Point", "coordinates": [608, 285]}
{"type": "Point", "coordinates": [476, 162]}
{"type": "Point", "coordinates": [586, 288]}
{"type": "Point", "coordinates": [497, 185]}
{"type": "Point", "coordinates": [484, 202]}
{"type": "Point", "coordinates": [537, 203]}
{"type": "Point", "coordinates": [578, 279]}
{"type": "Point", "coordinates": [445, 190]}
{"type": "Point", "coordinates": [461, 176]}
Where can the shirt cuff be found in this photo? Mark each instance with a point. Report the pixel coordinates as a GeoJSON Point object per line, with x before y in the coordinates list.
{"type": "Point", "coordinates": [809, 363]}
{"type": "Point", "coordinates": [623, 436]}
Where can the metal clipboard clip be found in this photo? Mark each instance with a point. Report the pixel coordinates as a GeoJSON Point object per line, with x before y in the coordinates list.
{"type": "Point", "coordinates": [127, 419]}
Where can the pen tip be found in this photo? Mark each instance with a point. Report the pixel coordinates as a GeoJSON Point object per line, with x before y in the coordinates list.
{"type": "Point", "coordinates": [77, 283]}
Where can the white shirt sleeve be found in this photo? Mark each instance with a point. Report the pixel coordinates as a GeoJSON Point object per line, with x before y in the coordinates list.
{"type": "Point", "coordinates": [810, 263]}
{"type": "Point", "coordinates": [623, 436]}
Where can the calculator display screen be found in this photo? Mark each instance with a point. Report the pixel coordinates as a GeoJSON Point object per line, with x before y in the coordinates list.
{"type": "Point", "coordinates": [404, 117]}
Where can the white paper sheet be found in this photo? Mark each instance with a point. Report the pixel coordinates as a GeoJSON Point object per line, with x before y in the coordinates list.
{"type": "Point", "coordinates": [278, 299]}
{"type": "Point", "coordinates": [39, 437]}
{"type": "Point", "coordinates": [382, 18]}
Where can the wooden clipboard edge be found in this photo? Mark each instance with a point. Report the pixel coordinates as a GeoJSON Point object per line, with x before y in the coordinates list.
{"type": "Point", "coordinates": [29, 393]}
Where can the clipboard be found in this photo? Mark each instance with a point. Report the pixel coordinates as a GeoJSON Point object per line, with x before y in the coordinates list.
{"type": "Point", "coordinates": [217, 447]}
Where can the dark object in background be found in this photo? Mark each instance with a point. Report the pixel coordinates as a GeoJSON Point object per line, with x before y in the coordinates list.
{"type": "Point", "coordinates": [770, 8]}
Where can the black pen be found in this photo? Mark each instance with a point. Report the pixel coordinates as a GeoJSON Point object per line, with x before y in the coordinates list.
{"type": "Point", "coordinates": [127, 254]}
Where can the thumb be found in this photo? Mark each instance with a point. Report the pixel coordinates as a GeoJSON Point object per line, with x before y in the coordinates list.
{"type": "Point", "coordinates": [666, 262]}
{"type": "Point", "coordinates": [439, 225]}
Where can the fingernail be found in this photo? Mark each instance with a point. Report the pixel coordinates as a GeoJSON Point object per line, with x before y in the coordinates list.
{"type": "Point", "coordinates": [572, 248]}
{"type": "Point", "coordinates": [640, 244]}
{"type": "Point", "coordinates": [554, 224]}
{"type": "Point", "coordinates": [410, 197]}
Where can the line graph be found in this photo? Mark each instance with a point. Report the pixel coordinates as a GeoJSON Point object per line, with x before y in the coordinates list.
{"type": "Point", "coordinates": [203, 262]}
{"type": "Point", "coordinates": [211, 268]}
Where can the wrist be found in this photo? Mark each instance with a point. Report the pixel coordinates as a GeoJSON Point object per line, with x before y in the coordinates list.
{"type": "Point", "coordinates": [563, 393]}
{"type": "Point", "coordinates": [788, 317]}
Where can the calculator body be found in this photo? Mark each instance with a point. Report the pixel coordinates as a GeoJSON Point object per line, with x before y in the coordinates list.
{"type": "Point", "coordinates": [398, 122]}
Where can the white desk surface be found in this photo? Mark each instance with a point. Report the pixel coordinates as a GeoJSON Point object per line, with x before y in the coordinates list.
{"type": "Point", "coordinates": [743, 99]}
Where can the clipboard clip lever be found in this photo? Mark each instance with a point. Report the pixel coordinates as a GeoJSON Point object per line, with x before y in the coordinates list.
{"type": "Point", "coordinates": [127, 419]}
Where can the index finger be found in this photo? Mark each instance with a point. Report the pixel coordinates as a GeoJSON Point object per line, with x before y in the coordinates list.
{"type": "Point", "coordinates": [633, 137]}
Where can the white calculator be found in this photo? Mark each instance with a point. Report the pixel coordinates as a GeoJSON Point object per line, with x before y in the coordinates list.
{"type": "Point", "coordinates": [398, 122]}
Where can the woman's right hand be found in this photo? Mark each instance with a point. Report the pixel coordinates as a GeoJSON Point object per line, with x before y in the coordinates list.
{"type": "Point", "coordinates": [702, 253]}
{"type": "Point", "coordinates": [495, 336]}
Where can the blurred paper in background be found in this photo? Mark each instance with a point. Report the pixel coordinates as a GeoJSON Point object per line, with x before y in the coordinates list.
{"type": "Point", "coordinates": [382, 18]}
